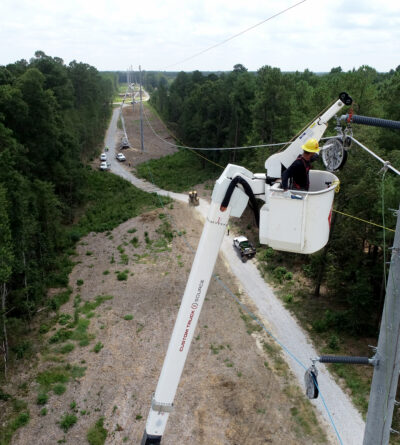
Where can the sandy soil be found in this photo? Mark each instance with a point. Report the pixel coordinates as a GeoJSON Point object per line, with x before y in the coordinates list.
{"type": "Point", "coordinates": [235, 388]}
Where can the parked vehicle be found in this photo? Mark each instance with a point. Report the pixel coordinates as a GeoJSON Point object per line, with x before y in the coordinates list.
{"type": "Point", "coordinates": [244, 247]}
{"type": "Point", "coordinates": [124, 143]}
{"type": "Point", "coordinates": [103, 157]}
{"type": "Point", "coordinates": [104, 166]}
{"type": "Point", "coordinates": [193, 198]}
{"type": "Point", "coordinates": [121, 157]}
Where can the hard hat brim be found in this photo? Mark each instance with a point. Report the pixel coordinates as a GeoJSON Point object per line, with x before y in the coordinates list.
{"type": "Point", "coordinates": [310, 150]}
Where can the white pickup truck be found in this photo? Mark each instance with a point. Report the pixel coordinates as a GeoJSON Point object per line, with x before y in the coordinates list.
{"type": "Point", "coordinates": [244, 247]}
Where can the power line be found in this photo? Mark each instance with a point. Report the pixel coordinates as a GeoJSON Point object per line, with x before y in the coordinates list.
{"type": "Point", "coordinates": [236, 35]}
{"type": "Point", "coordinates": [210, 148]}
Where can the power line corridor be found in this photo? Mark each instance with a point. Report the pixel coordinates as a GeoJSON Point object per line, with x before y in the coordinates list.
{"type": "Point", "coordinates": [343, 414]}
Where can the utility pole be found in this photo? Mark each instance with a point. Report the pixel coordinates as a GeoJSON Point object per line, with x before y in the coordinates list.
{"type": "Point", "coordinates": [141, 109]}
{"type": "Point", "coordinates": [386, 372]}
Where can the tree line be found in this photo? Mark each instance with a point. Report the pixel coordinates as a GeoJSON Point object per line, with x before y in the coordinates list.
{"type": "Point", "coordinates": [240, 108]}
{"type": "Point", "coordinates": [52, 120]}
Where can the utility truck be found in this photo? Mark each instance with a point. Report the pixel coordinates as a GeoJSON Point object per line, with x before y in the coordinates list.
{"type": "Point", "coordinates": [246, 250]}
{"type": "Point", "coordinates": [298, 225]}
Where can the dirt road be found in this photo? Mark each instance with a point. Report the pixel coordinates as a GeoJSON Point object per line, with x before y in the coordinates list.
{"type": "Point", "coordinates": [348, 421]}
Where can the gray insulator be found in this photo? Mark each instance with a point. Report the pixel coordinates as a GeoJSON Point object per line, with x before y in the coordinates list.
{"type": "Point", "coordinates": [373, 121]}
{"type": "Point", "coordinates": [344, 359]}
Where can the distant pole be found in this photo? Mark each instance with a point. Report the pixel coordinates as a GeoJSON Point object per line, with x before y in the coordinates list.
{"type": "Point", "coordinates": [141, 109]}
{"type": "Point", "coordinates": [386, 373]}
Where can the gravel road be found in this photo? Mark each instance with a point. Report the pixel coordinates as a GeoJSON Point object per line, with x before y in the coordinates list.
{"type": "Point", "coordinates": [279, 321]}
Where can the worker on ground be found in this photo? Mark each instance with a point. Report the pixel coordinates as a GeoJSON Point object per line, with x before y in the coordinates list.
{"type": "Point", "coordinates": [228, 228]}
{"type": "Point", "coordinates": [296, 177]}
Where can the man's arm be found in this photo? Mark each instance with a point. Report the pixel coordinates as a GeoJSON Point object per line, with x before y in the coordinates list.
{"type": "Point", "coordinates": [289, 173]}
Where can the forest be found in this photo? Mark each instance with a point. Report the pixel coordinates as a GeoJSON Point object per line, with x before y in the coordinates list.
{"type": "Point", "coordinates": [52, 120]}
{"type": "Point", "coordinates": [240, 108]}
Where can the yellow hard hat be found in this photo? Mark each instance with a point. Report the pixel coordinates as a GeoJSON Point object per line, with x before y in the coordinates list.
{"type": "Point", "coordinates": [311, 145]}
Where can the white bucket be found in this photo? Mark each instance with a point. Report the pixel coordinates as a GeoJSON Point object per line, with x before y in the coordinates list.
{"type": "Point", "coordinates": [300, 221]}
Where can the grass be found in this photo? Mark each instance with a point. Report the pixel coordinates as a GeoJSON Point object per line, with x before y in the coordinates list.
{"type": "Point", "coordinates": [89, 306]}
{"type": "Point", "coordinates": [7, 431]}
{"type": "Point", "coordinates": [59, 389]}
{"type": "Point", "coordinates": [97, 434]}
{"type": "Point", "coordinates": [251, 324]}
{"type": "Point", "coordinates": [122, 276]}
{"type": "Point", "coordinates": [188, 167]}
{"type": "Point", "coordinates": [65, 349]}
{"type": "Point", "coordinates": [67, 421]}
{"type": "Point", "coordinates": [55, 379]}
{"type": "Point", "coordinates": [98, 347]}
{"type": "Point", "coordinates": [61, 298]}
{"type": "Point", "coordinates": [42, 399]}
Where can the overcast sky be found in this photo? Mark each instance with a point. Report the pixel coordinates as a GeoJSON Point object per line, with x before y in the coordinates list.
{"type": "Point", "coordinates": [160, 34]}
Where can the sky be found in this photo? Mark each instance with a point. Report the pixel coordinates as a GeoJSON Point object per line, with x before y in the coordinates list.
{"type": "Point", "coordinates": [163, 35]}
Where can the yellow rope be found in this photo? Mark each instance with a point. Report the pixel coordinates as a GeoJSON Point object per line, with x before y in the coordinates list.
{"type": "Point", "coordinates": [364, 220]}
{"type": "Point", "coordinates": [337, 183]}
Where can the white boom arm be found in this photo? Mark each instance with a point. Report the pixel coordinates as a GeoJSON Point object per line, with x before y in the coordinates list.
{"type": "Point", "coordinates": [193, 297]}
{"type": "Point", "coordinates": [234, 200]}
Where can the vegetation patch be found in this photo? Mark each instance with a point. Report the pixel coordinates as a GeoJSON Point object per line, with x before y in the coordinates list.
{"type": "Point", "coordinates": [7, 431]}
{"type": "Point", "coordinates": [67, 421]}
{"type": "Point", "coordinates": [97, 434]}
{"type": "Point", "coordinates": [189, 171]}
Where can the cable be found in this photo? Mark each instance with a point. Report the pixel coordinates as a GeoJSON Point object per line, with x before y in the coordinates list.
{"type": "Point", "coordinates": [363, 220]}
{"type": "Point", "coordinates": [193, 151]}
{"type": "Point", "coordinates": [256, 146]}
{"type": "Point", "coordinates": [236, 35]}
{"type": "Point", "coordinates": [210, 148]}
{"type": "Point", "coordinates": [386, 164]}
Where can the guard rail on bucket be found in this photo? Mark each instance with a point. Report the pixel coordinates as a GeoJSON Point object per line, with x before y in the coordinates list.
{"type": "Point", "coordinates": [299, 221]}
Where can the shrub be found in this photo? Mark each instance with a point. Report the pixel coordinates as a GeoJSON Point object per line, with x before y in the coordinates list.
{"type": "Point", "coordinates": [22, 349]}
{"type": "Point", "coordinates": [128, 317]}
{"type": "Point", "coordinates": [333, 342]}
{"type": "Point", "coordinates": [63, 319]}
{"type": "Point", "coordinates": [44, 328]}
{"type": "Point", "coordinates": [58, 300]}
{"type": "Point", "coordinates": [124, 258]}
{"type": "Point", "coordinates": [98, 347]}
{"type": "Point", "coordinates": [122, 276]}
{"type": "Point", "coordinates": [42, 399]}
{"type": "Point", "coordinates": [59, 389]}
{"type": "Point", "coordinates": [97, 434]}
{"type": "Point", "coordinates": [279, 272]}
{"type": "Point", "coordinates": [67, 422]}
{"type": "Point", "coordinates": [288, 298]}
{"type": "Point", "coordinates": [288, 276]}
{"type": "Point", "coordinates": [65, 349]}
{"type": "Point", "coordinates": [61, 335]}
{"type": "Point", "coordinates": [134, 241]}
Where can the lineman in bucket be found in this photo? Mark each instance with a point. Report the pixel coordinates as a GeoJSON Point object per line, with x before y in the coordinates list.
{"type": "Point", "coordinates": [296, 177]}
